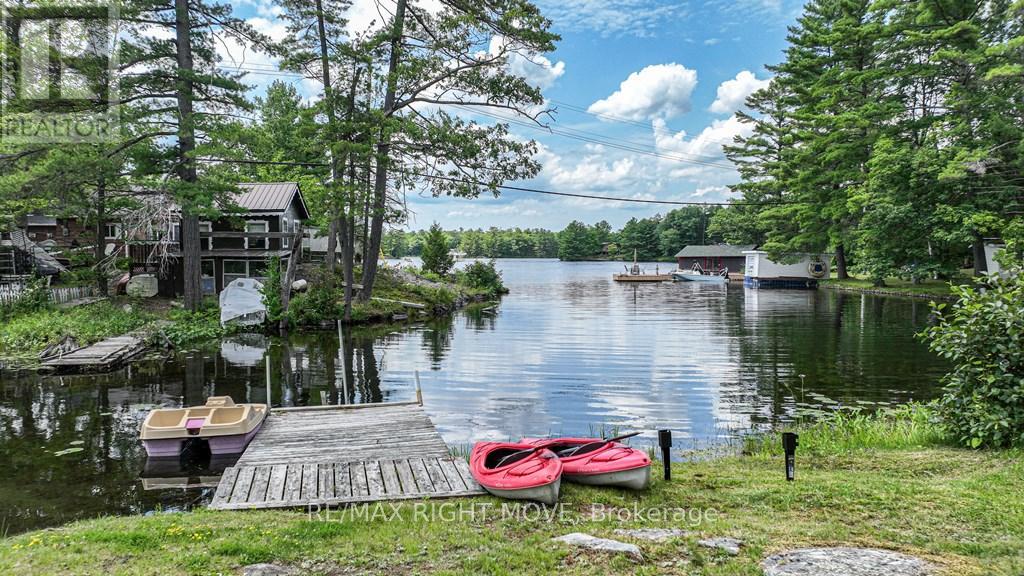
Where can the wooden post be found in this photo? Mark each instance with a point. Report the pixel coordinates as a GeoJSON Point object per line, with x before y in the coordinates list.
{"type": "Point", "coordinates": [344, 365]}
{"type": "Point", "coordinates": [419, 390]}
{"type": "Point", "coordinates": [266, 363]}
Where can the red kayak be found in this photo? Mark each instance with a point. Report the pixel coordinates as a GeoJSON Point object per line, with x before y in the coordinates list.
{"type": "Point", "coordinates": [517, 471]}
{"type": "Point", "coordinates": [599, 462]}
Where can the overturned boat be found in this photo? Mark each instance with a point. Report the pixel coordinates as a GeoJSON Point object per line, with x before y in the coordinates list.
{"type": "Point", "coordinates": [227, 427]}
{"type": "Point", "coordinates": [517, 471]}
{"type": "Point", "coordinates": [599, 462]}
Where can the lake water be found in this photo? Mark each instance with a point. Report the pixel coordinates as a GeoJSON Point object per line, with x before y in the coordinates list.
{"type": "Point", "coordinates": [567, 352]}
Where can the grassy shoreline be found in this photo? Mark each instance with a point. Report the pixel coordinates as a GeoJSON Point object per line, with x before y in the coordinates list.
{"type": "Point", "coordinates": [933, 289]}
{"type": "Point", "coordinates": [892, 482]}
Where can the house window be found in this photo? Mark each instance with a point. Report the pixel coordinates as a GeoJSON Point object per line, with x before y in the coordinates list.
{"type": "Point", "coordinates": [205, 243]}
{"type": "Point", "coordinates": [64, 231]}
{"type": "Point", "coordinates": [286, 228]}
{"type": "Point", "coordinates": [113, 231]}
{"type": "Point", "coordinates": [258, 270]}
{"type": "Point", "coordinates": [235, 269]}
{"type": "Point", "coordinates": [256, 243]}
{"type": "Point", "coordinates": [206, 268]}
{"type": "Point", "coordinates": [175, 235]}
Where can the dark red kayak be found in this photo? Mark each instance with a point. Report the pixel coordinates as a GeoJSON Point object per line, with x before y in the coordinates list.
{"type": "Point", "coordinates": [599, 462]}
{"type": "Point", "coordinates": [517, 471]}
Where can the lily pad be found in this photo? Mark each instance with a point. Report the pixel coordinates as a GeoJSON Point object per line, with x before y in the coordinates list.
{"type": "Point", "coordinates": [76, 443]}
{"type": "Point", "coordinates": [68, 451]}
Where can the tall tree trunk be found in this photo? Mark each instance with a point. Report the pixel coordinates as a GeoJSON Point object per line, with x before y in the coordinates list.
{"type": "Point", "coordinates": [841, 272]}
{"type": "Point", "coordinates": [380, 187]}
{"type": "Point", "coordinates": [332, 250]}
{"type": "Point", "coordinates": [186, 162]}
{"type": "Point", "coordinates": [101, 235]}
{"type": "Point", "coordinates": [289, 277]}
{"type": "Point", "coordinates": [978, 250]}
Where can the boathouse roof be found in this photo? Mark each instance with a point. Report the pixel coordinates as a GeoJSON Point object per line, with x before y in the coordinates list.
{"type": "Point", "coordinates": [714, 251]}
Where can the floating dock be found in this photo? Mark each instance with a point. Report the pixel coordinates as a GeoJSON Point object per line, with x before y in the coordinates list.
{"type": "Point", "coordinates": [642, 277]}
{"type": "Point", "coordinates": [336, 455]}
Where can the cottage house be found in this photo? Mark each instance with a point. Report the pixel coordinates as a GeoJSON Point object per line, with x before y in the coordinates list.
{"type": "Point", "coordinates": [231, 247]}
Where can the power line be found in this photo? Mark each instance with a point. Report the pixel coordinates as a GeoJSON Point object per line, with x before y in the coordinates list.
{"type": "Point", "coordinates": [506, 186]}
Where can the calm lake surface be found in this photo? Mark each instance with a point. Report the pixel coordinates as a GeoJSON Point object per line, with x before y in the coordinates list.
{"type": "Point", "coordinates": [567, 352]}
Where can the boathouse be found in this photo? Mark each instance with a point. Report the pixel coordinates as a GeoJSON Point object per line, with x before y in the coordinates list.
{"type": "Point", "coordinates": [795, 271]}
{"type": "Point", "coordinates": [714, 257]}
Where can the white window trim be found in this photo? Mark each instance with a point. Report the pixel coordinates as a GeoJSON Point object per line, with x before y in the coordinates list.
{"type": "Point", "coordinates": [285, 241]}
{"type": "Point", "coordinates": [206, 243]}
{"type": "Point", "coordinates": [224, 270]}
{"type": "Point", "coordinates": [266, 225]}
{"type": "Point", "coordinates": [117, 231]}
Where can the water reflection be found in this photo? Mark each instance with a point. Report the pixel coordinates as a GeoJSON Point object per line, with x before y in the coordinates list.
{"type": "Point", "coordinates": [568, 351]}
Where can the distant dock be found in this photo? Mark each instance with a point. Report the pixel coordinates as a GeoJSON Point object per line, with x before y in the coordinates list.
{"type": "Point", "coordinates": [337, 455]}
{"type": "Point", "coordinates": [642, 277]}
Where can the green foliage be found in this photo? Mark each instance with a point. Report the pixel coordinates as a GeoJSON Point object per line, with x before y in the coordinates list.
{"type": "Point", "coordinates": [436, 256]}
{"type": "Point", "coordinates": [272, 291]}
{"type": "Point", "coordinates": [982, 336]}
{"type": "Point", "coordinates": [35, 297]}
{"type": "Point", "coordinates": [577, 242]}
{"type": "Point", "coordinates": [317, 305]}
{"type": "Point", "coordinates": [192, 327]}
{"type": "Point", "coordinates": [483, 276]}
{"type": "Point", "coordinates": [913, 426]}
{"type": "Point", "coordinates": [31, 332]}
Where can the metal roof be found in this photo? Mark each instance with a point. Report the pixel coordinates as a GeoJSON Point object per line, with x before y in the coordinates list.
{"type": "Point", "coordinates": [268, 196]}
{"type": "Point", "coordinates": [714, 251]}
{"type": "Point", "coordinates": [45, 263]}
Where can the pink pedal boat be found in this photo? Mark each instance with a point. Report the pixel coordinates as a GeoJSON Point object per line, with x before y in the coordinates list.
{"type": "Point", "coordinates": [227, 427]}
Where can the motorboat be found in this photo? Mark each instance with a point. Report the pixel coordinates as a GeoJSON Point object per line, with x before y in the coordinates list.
{"type": "Point", "coordinates": [698, 274]}
{"type": "Point", "coordinates": [598, 461]}
{"type": "Point", "coordinates": [517, 471]}
{"type": "Point", "coordinates": [227, 427]}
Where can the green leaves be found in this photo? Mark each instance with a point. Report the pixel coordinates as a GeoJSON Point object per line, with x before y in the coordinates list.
{"type": "Point", "coordinates": [981, 334]}
{"type": "Point", "coordinates": [436, 252]}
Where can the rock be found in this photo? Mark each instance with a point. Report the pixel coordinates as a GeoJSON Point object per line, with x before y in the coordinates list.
{"type": "Point", "coordinates": [269, 570]}
{"type": "Point", "coordinates": [601, 544]}
{"type": "Point", "coordinates": [844, 562]}
{"type": "Point", "coordinates": [731, 546]}
{"type": "Point", "coordinates": [652, 534]}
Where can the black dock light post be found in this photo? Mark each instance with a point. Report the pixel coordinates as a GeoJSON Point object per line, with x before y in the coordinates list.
{"type": "Point", "coordinates": [790, 440]}
{"type": "Point", "coordinates": [665, 442]}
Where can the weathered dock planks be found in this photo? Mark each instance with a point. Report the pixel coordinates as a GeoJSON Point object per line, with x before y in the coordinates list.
{"type": "Point", "coordinates": [324, 456]}
{"type": "Point", "coordinates": [103, 355]}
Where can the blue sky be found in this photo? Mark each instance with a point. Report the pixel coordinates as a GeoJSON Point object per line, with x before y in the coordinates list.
{"type": "Point", "coordinates": [660, 77]}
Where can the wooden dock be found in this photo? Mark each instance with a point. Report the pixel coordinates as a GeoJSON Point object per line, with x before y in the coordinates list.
{"type": "Point", "coordinates": [642, 277]}
{"type": "Point", "coordinates": [104, 355]}
{"type": "Point", "coordinates": [336, 455]}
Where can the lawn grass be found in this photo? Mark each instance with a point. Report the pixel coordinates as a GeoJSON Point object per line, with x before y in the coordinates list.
{"type": "Point", "coordinates": [962, 510]}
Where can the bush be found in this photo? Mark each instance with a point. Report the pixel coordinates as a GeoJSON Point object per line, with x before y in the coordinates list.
{"type": "Point", "coordinates": [483, 276]}
{"type": "Point", "coordinates": [191, 327]}
{"type": "Point", "coordinates": [31, 332]}
{"type": "Point", "coordinates": [35, 297]}
{"type": "Point", "coordinates": [313, 307]}
{"type": "Point", "coordinates": [435, 255]}
{"type": "Point", "coordinates": [982, 335]}
{"type": "Point", "coordinates": [272, 291]}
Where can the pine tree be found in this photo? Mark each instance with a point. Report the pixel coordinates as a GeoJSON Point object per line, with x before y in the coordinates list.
{"type": "Point", "coordinates": [436, 254]}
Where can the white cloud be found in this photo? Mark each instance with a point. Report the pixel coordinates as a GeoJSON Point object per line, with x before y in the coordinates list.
{"type": "Point", "coordinates": [658, 91]}
{"type": "Point", "coordinates": [711, 41]}
{"type": "Point", "coordinates": [642, 18]}
{"type": "Point", "coordinates": [535, 68]}
{"type": "Point", "coordinates": [733, 93]}
{"type": "Point", "coordinates": [592, 172]}
{"type": "Point", "coordinates": [367, 15]}
{"type": "Point", "coordinates": [703, 149]}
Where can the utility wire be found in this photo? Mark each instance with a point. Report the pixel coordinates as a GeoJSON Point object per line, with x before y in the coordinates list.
{"type": "Point", "coordinates": [505, 186]}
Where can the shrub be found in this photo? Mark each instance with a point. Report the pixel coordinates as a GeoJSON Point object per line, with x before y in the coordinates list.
{"type": "Point", "coordinates": [272, 291]}
{"type": "Point", "coordinates": [435, 255]}
{"type": "Point", "coordinates": [483, 276]}
{"type": "Point", "coordinates": [313, 307]}
{"type": "Point", "coordinates": [190, 327]}
{"type": "Point", "coordinates": [35, 297]}
{"type": "Point", "coordinates": [982, 335]}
